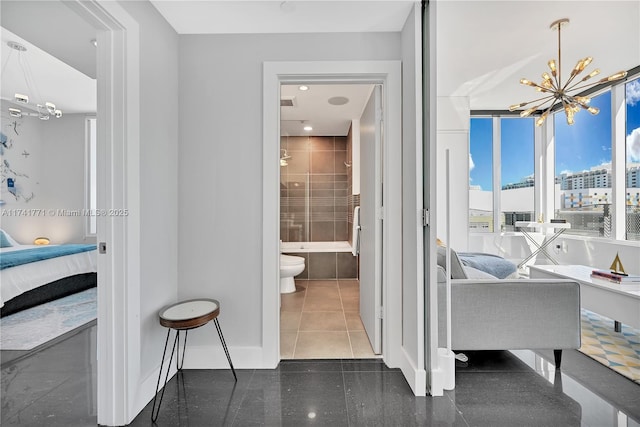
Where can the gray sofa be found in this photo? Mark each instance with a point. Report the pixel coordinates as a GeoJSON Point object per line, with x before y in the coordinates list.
{"type": "Point", "coordinates": [508, 314]}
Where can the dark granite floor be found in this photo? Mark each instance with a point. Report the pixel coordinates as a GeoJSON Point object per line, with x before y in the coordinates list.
{"type": "Point", "coordinates": [56, 387]}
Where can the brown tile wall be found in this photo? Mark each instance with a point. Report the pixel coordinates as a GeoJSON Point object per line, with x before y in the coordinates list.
{"type": "Point", "coordinates": [324, 189]}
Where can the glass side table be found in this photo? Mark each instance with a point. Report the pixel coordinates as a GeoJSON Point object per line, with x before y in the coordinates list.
{"type": "Point", "coordinates": [180, 317]}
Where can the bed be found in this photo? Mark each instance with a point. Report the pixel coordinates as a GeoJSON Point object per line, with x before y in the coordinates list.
{"type": "Point", "coordinates": [31, 275]}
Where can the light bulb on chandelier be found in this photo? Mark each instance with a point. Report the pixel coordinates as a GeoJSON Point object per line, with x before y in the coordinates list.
{"type": "Point", "coordinates": [559, 93]}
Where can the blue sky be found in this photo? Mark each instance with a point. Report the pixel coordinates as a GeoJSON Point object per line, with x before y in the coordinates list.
{"type": "Point", "coordinates": [516, 151]}
{"type": "Point", "coordinates": [579, 147]}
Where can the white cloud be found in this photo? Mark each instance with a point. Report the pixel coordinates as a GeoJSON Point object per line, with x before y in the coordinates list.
{"type": "Point", "coordinates": [633, 146]}
{"type": "Point", "coordinates": [471, 164]}
{"type": "Point", "coordinates": [633, 92]}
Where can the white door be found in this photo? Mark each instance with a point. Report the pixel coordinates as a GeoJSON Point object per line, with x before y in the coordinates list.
{"type": "Point", "coordinates": [370, 219]}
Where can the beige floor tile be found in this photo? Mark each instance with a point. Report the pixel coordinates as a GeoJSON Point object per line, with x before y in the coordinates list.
{"type": "Point", "coordinates": [348, 283]}
{"type": "Point", "coordinates": [351, 304]}
{"type": "Point", "coordinates": [322, 345]}
{"type": "Point", "coordinates": [320, 303]}
{"type": "Point", "coordinates": [292, 302]}
{"type": "Point", "coordinates": [349, 292]}
{"type": "Point", "coordinates": [323, 321]}
{"type": "Point", "coordinates": [287, 344]}
{"type": "Point", "coordinates": [360, 344]}
{"type": "Point", "coordinates": [323, 292]}
{"type": "Point", "coordinates": [290, 321]}
{"type": "Point", "coordinates": [322, 284]}
{"type": "Point", "coordinates": [354, 323]}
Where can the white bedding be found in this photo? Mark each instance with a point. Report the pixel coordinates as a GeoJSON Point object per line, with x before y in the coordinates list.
{"type": "Point", "coordinates": [22, 278]}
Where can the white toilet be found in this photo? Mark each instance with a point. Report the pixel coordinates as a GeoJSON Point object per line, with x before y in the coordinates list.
{"type": "Point", "coordinates": [290, 266]}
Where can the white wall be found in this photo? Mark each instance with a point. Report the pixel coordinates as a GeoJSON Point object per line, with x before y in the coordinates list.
{"type": "Point", "coordinates": [220, 170]}
{"type": "Point", "coordinates": [158, 187]}
{"type": "Point", "coordinates": [55, 176]}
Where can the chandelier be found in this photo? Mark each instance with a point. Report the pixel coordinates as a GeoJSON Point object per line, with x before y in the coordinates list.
{"type": "Point", "coordinates": [45, 109]}
{"type": "Point", "coordinates": [559, 92]}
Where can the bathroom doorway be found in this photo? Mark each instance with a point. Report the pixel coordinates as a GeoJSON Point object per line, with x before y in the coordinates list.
{"type": "Point", "coordinates": [330, 146]}
{"type": "Point", "coordinates": [388, 74]}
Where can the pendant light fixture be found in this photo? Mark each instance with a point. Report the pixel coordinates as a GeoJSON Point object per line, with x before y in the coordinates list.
{"type": "Point", "coordinates": [45, 109]}
{"type": "Point", "coordinates": [562, 92]}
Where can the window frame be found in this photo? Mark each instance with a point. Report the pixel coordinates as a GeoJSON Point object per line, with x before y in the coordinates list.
{"type": "Point", "coordinates": [90, 176]}
{"type": "Point", "coordinates": [544, 167]}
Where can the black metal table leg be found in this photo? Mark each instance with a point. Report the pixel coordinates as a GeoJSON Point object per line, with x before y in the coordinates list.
{"type": "Point", "coordinates": [154, 413]}
{"type": "Point", "coordinates": [224, 346]}
{"type": "Point", "coordinates": [617, 326]}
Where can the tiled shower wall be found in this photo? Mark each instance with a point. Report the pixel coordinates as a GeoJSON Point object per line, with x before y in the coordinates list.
{"type": "Point", "coordinates": [314, 189]}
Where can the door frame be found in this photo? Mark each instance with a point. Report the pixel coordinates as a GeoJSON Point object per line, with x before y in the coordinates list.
{"type": "Point", "coordinates": [119, 398]}
{"type": "Point", "coordinates": [389, 74]}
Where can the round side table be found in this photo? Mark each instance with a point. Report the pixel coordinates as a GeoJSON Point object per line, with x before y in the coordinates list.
{"type": "Point", "coordinates": [183, 316]}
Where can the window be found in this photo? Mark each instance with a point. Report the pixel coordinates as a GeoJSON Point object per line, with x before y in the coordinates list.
{"type": "Point", "coordinates": [516, 171]}
{"type": "Point", "coordinates": [91, 203]}
{"type": "Point", "coordinates": [481, 175]}
{"type": "Point", "coordinates": [632, 202]}
{"type": "Point", "coordinates": [583, 170]}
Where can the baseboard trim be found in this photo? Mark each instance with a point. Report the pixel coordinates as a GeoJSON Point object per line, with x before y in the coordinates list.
{"type": "Point", "coordinates": [417, 378]}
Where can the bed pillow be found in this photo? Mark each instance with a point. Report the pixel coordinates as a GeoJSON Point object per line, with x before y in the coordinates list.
{"type": "Point", "coordinates": [4, 240]}
{"type": "Point", "coordinates": [457, 272]}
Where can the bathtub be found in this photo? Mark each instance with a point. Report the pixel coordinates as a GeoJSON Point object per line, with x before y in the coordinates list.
{"type": "Point", "coordinates": [302, 247]}
{"type": "Point", "coordinates": [324, 260]}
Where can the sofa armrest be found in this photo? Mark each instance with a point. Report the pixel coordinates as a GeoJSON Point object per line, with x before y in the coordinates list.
{"type": "Point", "coordinates": [511, 314]}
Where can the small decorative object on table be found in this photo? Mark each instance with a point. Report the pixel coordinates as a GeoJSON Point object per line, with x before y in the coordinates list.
{"type": "Point", "coordinates": [616, 266]}
{"type": "Point", "coordinates": [616, 273]}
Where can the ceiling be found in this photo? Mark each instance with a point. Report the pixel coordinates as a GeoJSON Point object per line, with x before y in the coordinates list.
{"type": "Point", "coordinates": [483, 47]}
{"type": "Point", "coordinates": [314, 107]}
{"type": "Point", "coordinates": [268, 16]}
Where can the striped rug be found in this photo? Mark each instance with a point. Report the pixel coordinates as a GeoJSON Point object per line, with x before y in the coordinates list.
{"type": "Point", "coordinates": [619, 351]}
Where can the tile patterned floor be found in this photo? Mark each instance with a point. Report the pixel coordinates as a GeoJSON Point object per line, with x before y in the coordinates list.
{"type": "Point", "coordinates": [321, 320]}
{"type": "Point", "coordinates": [619, 351]}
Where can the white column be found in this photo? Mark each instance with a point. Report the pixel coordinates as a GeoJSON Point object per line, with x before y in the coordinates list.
{"type": "Point", "coordinates": [497, 172]}
{"type": "Point", "coordinates": [453, 134]}
{"type": "Point", "coordinates": [618, 161]}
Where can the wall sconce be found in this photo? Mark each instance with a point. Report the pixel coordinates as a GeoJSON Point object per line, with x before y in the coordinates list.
{"type": "Point", "coordinates": [41, 241]}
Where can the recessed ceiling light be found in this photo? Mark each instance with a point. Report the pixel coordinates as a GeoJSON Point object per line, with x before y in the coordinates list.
{"type": "Point", "coordinates": [303, 87]}
{"type": "Point", "coordinates": [308, 128]}
{"type": "Point", "coordinates": [338, 100]}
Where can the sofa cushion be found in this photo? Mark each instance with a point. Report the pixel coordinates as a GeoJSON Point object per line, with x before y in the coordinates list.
{"type": "Point", "coordinates": [457, 272]}
{"type": "Point", "coordinates": [474, 273]}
